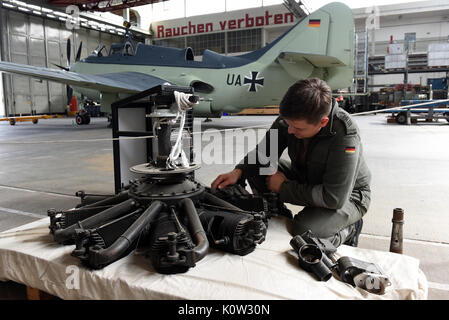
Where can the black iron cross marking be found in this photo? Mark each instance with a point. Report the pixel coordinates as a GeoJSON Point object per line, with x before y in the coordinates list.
{"type": "Point", "coordinates": [253, 81]}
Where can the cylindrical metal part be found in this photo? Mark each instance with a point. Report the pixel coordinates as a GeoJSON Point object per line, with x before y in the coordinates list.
{"type": "Point", "coordinates": [164, 144]}
{"type": "Point", "coordinates": [297, 242]}
{"type": "Point", "coordinates": [108, 255]}
{"type": "Point", "coordinates": [122, 196]}
{"type": "Point", "coordinates": [196, 229]}
{"type": "Point", "coordinates": [311, 259]}
{"type": "Point", "coordinates": [66, 234]}
{"type": "Point", "coordinates": [396, 243]}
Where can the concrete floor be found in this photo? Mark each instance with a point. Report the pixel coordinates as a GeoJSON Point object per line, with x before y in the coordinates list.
{"type": "Point", "coordinates": [407, 163]}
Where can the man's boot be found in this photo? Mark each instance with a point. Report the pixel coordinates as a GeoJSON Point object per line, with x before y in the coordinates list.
{"type": "Point", "coordinates": [348, 235]}
{"type": "Point", "coordinates": [353, 237]}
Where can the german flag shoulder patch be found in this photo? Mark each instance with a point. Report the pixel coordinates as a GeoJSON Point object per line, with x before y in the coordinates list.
{"type": "Point", "coordinates": [314, 23]}
{"type": "Point", "coordinates": [350, 150]}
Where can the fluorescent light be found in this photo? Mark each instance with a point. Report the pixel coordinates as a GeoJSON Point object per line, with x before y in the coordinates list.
{"type": "Point", "coordinates": [20, 3]}
{"type": "Point", "coordinates": [33, 7]}
{"type": "Point", "coordinates": [62, 19]}
{"type": "Point", "coordinates": [50, 16]}
{"type": "Point", "coordinates": [59, 14]}
{"type": "Point", "coordinates": [8, 5]}
{"type": "Point", "coordinates": [46, 10]}
{"type": "Point", "coordinates": [37, 12]}
{"type": "Point", "coordinates": [23, 9]}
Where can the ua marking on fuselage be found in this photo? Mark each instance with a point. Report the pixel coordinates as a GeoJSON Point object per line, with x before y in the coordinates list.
{"type": "Point", "coordinates": [252, 81]}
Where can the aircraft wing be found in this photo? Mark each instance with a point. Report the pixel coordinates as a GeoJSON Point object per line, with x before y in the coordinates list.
{"type": "Point", "coordinates": [128, 82]}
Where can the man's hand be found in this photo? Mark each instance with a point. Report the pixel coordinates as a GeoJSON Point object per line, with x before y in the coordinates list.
{"type": "Point", "coordinates": [226, 179]}
{"type": "Point", "coordinates": [275, 181]}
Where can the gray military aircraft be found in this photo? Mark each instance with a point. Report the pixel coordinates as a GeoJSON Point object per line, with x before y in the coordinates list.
{"type": "Point", "coordinates": [320, 45]}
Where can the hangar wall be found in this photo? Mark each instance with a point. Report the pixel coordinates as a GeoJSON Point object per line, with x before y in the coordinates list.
{"type": "Point", "coordinates": [428, 20]}
{"type": "Point", "coordinates": [40, 42]}
{"type": "Point", "coordinates": [231, 32]}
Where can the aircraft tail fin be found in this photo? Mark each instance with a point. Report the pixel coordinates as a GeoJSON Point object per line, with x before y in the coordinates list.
{"type": "Point", "coordinates": [320, 45]}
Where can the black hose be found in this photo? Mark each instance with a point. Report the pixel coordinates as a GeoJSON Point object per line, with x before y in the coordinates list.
{"type": "Point", "coordinates": [196, 229]}
{"type": "Point", "coordinates": [66, 234]}
{"type": "Point", "coordinates": [122, 196]}
{"type": "Point", "coordinates": [102, 257]}
{"type": "Point", "coordinates": [89, 210]}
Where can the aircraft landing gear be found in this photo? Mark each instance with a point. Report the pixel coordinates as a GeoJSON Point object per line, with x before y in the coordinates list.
{"type": "Point", "coordinates": [82, 118]}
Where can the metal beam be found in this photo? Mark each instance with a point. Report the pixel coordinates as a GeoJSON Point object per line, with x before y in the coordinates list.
{"type": "Point", "coordinates": [103, 6]}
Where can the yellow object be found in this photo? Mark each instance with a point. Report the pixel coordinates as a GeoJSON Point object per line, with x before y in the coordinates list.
{"type": "Point", "coordinates": [13, 120]}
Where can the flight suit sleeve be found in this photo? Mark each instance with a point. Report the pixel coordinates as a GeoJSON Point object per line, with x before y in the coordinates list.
{"type": "Point", "coordinates": [338, 179]}
{"type": "Point", "coordinates": [264, 158]}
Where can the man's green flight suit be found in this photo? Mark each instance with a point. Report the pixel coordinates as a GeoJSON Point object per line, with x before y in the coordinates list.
{"type": "Point", "coordinates": [329, 177]}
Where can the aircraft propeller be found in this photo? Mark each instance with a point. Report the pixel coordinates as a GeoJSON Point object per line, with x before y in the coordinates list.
{"type": "Point", "coordinates": [67, 68]}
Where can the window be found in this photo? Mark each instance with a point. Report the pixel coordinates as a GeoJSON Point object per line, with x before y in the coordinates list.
{"type": "Point", "coordinates": [238, 41]}
{"type": "Point", "coordinates": [244, 40]}
{"type": "Point", "coordinates": [214, 42]}
{"type": "Point", "coordinates": [172, 43]}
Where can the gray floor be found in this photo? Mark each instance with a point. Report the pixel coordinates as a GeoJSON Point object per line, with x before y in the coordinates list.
{"type": "Point", "coordinates": [43, 165]}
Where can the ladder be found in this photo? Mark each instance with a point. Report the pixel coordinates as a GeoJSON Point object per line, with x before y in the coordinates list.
{"type": "Point", "coordinates": [361, 62]}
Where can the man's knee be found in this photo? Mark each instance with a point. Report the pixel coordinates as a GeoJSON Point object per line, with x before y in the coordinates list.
{"type": "Point", "coordinates": [320, 221]}
{"type": "Point", "coordinates": [325, 222]}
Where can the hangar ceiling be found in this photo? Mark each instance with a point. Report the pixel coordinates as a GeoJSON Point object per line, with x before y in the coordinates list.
{"type": "Point", "coordinates": [108, 5]}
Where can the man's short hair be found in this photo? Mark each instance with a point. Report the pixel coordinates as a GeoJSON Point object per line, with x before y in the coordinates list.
{"type": "Point", "coordinates": [308, 99]}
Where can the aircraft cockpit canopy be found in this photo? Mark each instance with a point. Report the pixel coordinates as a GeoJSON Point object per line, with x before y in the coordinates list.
{"type": "Point", "coordinates": [123, 49]}
{"type": "Point", "coordinates": [99, 51]}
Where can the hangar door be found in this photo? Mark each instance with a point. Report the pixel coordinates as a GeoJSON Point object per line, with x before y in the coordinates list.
{"type": "Point", "coordinates": [36, 41]}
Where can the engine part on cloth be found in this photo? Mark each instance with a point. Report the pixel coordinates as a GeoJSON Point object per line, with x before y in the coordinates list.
{"type": "Point", "coordinates": [361, 274]}
{"type": "Point", "coordinates": [170, 189]}
{"type": "Point", "coordinates": [102, 237]}
{"type": "Point", "coordinates": [65, 234]}
{"type": "Point", "coordinates": [96, 248]}
{"type": "Point", "coordinates": [233, 232]}
{"type": "Point", "coordinates": [173, 247]}
{"type": "Point", "coordinates": [63, 219]}
{"type": "Point", "coordinates": [237, 195]}
{"type": "Point", "coordinates": [312, 254]}
{"type": "Point", "coordinates": [317, 255]}
{"type": "Point", "coordinates": [96, 200]}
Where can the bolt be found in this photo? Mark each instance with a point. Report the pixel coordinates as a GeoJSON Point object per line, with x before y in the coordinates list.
{"type": "Point", "coordinates": [51, 212]}
{"type": "Point", "coordinates": [80, 194]}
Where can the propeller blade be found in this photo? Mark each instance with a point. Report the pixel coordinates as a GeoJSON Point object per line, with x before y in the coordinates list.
{"type": "Point", "coordinates": [60, 67]}
{"type": "Point", "coordinates": [68, 51]}
{"type": "Point", "coordinates": [78, 53]}
{"type": "Point", "coordinates": [69, 94]}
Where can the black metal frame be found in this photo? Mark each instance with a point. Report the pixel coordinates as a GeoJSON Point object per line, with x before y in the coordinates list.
{"type": "Point", "coordinates": [146, 99]}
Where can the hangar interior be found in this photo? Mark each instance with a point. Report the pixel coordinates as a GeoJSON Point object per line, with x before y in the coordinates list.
{"type": "Point", "coordinates": [400, 57]}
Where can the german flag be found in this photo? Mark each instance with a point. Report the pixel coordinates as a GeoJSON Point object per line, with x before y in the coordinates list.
{"type": "Point", "coordinates": [314, 23]}
{"type": "Point", "coordinates": [350, 149]}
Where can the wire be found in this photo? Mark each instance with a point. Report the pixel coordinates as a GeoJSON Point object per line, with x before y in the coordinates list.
{"type": "Point", "coordinates": [209, 131]}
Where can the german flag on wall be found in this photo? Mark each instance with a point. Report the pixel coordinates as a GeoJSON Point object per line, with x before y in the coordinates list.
{"type": "Point", "coordinates": [314, 23]}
